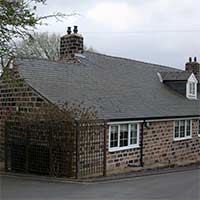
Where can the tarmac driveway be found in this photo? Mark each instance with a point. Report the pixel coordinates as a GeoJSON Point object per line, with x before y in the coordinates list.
{"type": "Point", "coordinates": [173, 186]}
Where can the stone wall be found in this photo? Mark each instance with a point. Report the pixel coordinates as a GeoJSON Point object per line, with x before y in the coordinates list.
{"type": "Point", "coordinates": [159, 147]}
{"type": "Point", "coordinates": [121, 159]}
{"type": "Point", "coordinates": [15, 96]}
{"type": "Point", "coordinates": [69, 45]}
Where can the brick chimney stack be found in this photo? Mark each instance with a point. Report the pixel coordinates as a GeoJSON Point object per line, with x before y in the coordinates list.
{"type": "Point", "coordinates": [70, 44]}
{"type": "Point", "coordinates": [193, 66]}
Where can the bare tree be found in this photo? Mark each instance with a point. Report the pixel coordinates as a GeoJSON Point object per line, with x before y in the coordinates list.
{"type": "Point", "coordinates": [39, 45]}
{"type": "Point", "coordinates": [18, 18]}
{"type": "Point", "coordinates": [42, 45]}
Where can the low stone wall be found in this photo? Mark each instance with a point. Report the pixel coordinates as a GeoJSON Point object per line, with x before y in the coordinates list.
{"type": "Point", "coordinates": [121, 159]}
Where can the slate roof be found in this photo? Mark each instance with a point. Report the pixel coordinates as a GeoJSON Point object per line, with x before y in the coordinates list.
{"type": "Point", "coordinates": [118, 88]}
{"type": "Point", "coordinates": [175, 76]}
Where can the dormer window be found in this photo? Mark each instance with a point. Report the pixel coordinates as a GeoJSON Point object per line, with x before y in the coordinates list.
{"type": "Point", "coordinates": [182, 82]}
{"type": "Point", "coordinates": [191, 89]}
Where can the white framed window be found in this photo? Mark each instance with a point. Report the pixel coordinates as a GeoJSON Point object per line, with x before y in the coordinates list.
{"type": "Point", "coordinates": [182, 129]}
{"type": "Point", "coordinates": [191, 87]}
{"type": "Point", "coordinates": [123, 136]}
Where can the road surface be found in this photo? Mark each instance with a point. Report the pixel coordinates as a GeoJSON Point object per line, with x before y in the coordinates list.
{"type": "Point", "coordinates": [173, 186]}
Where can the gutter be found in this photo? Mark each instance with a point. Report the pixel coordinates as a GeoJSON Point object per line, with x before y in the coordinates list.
{"type": "Point", "coordinates": [152, 118]}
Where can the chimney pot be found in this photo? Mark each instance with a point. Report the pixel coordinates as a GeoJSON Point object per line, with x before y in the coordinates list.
{"type": "Point", "coordinates": [194, 67]}
{"type": "Point", "coordinates": [75, 29]}
{"type": "Point", "coordinates": [69, 31]}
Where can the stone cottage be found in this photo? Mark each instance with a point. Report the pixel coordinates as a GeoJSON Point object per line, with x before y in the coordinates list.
{"type": "Point", "coordinates": [152, 111]}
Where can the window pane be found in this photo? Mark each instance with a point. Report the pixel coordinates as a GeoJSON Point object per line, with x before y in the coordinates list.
{"type": "Point", "coordinates": [193, 92]}
{"type": "Point", "coordinates": [114, 136]}
{"type": "Point", "coordinates": [133, 134]}
{"type": "Point", "coordinates": [188, 128]}
{"type": "Point", "coordinates": [192, 88]}
{"type": "Point", "coordinates": [123, 135]}
{"type": "Point", "coordinates": [182, 128]}
{"type": "Point", "coordinates": [176, 129]}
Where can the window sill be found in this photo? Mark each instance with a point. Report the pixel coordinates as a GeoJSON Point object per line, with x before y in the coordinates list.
{"type": "Point", "coordinates": [180, 139]}
{"type": "Point", "coordinates": [192, 97]}
{"type": "Point", "coordinates": [123, 148]}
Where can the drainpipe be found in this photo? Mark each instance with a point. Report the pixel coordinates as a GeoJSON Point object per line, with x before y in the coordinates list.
{"type": "Point", "coordinates": [141, 144]}
{"type": "Point", "coordinates": [144, 124]}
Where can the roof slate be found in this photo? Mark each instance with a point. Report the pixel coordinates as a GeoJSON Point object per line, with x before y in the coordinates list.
{"type": "Point", "coordinates": [118, 88]}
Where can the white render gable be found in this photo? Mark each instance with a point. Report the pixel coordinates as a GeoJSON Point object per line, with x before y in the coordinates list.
{"type": "Point", "coordinates": [191, 87]}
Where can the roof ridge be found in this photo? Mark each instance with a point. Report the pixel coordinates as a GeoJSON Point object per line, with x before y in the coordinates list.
{"type": "Point", "coordinates": [35, 58]}
{"type": "Point", "coordinates": [172, 72]}
{"type": "Point", "coordinates": [129, 59]}
{"type": "Point", "coordinates": [105, 55]}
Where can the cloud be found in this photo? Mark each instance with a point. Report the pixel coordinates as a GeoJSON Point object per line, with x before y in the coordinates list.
{"type": "Point", "coordinates": [151, 14]}
{"type": "Point", "coordinates": [160, 22]}
{"type": "Point", "coordinates": [117, 16]}
{"type": "Point", "coordinates": [177, 13]}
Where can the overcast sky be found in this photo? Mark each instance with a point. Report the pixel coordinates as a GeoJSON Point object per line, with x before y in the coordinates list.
{"type": "Point", "coordinates": [158, 31]}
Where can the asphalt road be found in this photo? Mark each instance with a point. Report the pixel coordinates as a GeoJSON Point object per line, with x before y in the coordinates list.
{"type": "Point", "coordinates": [174, 186]}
